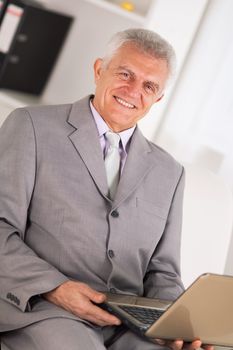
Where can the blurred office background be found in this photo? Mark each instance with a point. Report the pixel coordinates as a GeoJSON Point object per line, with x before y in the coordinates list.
{"type": "Point", "coordinates": [194, 122]}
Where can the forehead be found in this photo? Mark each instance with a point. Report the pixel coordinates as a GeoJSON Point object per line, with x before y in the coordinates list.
{"type": "Point", "coordinates": [133, 58]}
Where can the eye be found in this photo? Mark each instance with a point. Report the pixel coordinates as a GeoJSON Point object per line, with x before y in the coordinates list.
{"type": "Point", "coordinates": [124, 75]}
{"type": "Point", "coordinates": [150, 88]}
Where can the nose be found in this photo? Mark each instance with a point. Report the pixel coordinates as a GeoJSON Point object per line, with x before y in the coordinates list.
{"type": "Point", "coordinates": [134, 89]}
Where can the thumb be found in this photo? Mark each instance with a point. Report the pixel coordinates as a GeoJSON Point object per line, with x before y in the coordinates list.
{"type": "Point", "coordinates": [95, 296]}
{"type": "Point", "coordinates": [98, 297]}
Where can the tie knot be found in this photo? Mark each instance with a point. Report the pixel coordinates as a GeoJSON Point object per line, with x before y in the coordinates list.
{"type": "Point", "coordinates": [112, 138]}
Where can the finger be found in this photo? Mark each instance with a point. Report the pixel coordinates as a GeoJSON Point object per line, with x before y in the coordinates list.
{"type": "Point", "coordinates": [196, 344]}
{"type": "Point", "coordinates": [91, 294]}
{"type": "Point", "coordinates": [207, 347]}
{"type": "Point", "coordinates": [98, 322]}
{"type": "Point", "coordinates": [103, 320]}
{"type": "Point", "coordinates": [98, 298]}
{"type": "Point", "coordinates": [175, 344]}
{"type": "Point", "coordinates": [159, 341]}
{"type": "Point", "coordinates": [105, 316]}
{"type": "Point", "coordinates": [98, 315]}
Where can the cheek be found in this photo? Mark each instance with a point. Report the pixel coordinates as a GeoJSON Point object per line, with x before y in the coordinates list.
{"type": "Point", "coordinates": [117, 86]}
{"type": "Point", "coordinates": [147, 103]}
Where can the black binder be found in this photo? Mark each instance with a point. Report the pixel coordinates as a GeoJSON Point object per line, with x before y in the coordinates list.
{"type": "Point", "coordinates": [26, 63]}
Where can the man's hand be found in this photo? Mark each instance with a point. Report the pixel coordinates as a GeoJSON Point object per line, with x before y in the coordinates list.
{"type": "Point", "coordinates": [78, 298]}
{"type": "Point", "coordinates": [180, 344]}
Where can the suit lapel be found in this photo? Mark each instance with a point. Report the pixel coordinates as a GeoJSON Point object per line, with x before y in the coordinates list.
{"type": "Point", "coordinates": [85, 139]}
{"type": "Point", "coordinates": [137, 165]}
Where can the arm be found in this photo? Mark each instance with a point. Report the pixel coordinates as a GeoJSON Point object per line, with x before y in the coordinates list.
{"type": "Point", "coordinates": [79, 299]}
{"type": "Point", "coordinates": [23, 273]}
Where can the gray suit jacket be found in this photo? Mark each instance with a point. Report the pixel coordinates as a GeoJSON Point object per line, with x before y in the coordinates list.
{"type": "Point", "coordinates": [57, 223]}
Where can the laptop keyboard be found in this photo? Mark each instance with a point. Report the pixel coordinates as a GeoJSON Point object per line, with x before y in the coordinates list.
{"type": "Point", "coordinates": [144, 315]}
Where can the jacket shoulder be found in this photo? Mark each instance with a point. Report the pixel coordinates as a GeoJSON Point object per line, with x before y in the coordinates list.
{"type": "Point", "coordinates": [165, 159]}
{"type": "Point", "coordinates": [48, 111]}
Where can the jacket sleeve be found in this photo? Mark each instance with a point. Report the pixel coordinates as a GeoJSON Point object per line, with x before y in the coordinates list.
{"type": "Point", "coordinates": [163, 279]}
{"type": "Point", "coordinates": [22, 273]}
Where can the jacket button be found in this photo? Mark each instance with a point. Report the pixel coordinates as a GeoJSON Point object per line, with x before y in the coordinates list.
{"type": "Point", "coordinates": [115, 214]}
{"type": "Point", "coordinates": [111, 253]}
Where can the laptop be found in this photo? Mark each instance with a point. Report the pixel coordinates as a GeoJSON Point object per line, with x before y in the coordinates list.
{"type": "Point", "coordinates": [204, 311]}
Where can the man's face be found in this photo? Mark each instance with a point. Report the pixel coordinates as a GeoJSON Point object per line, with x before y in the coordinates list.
{"type": "Point", "coordinates": [127, 88]}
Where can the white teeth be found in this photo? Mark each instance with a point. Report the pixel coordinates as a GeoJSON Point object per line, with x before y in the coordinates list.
{"type": "Point", "coordinates": [124, 103]}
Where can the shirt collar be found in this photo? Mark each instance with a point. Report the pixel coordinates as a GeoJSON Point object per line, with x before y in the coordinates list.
{"type": "Point", "coordinates": [100, 123]}
{"type": "Point", "coordinates": [102, 127]}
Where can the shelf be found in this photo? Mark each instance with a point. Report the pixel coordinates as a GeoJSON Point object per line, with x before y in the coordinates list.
{"type": "Point", "coordinates": [114, 7]}
{"type": "Point", "coordinates": [10, 100]}
{"type": "Point", "coordinates": [14, 99]}
{"type": "Point", "coordinates": [141, 8]}
{"type": "Point", "coordinates": [68, 80]}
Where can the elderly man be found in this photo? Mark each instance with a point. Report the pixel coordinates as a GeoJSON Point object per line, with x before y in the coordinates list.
{"type": "Point", "coordinates": [89, 205]}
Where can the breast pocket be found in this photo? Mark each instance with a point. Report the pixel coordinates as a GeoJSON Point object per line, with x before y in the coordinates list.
{"type": "Point", "coordinates": [150, 223]}
{"type": "Point", "coordinates": [151, 208]}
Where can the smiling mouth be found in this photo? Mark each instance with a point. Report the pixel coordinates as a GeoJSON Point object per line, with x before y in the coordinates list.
{"type": "Point", "coordinates": [124, 103]}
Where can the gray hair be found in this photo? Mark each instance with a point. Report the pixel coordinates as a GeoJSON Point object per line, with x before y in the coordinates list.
{"type": "Point", "coordinates": [145, 40]}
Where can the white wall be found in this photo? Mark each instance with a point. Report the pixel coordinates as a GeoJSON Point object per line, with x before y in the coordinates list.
{"type": "Point", "coordinates": [197, 123]}
{"type": "Point", "coordinates": [178, 22]}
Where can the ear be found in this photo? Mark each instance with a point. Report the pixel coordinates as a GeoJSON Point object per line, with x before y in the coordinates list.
{"type": "Point", "coordinates": [98, 68]}
{"type": "Point", "coordinates": [159, 98]}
